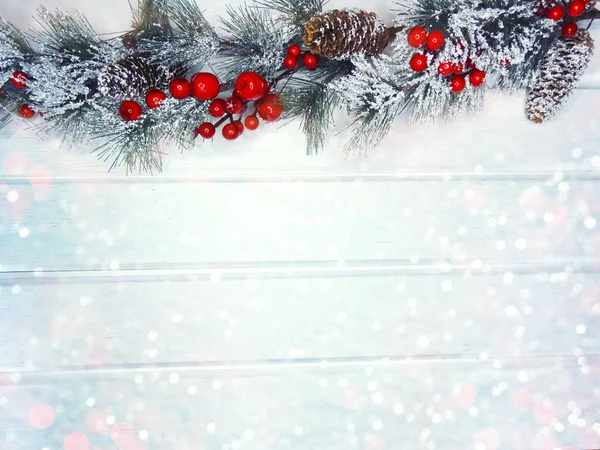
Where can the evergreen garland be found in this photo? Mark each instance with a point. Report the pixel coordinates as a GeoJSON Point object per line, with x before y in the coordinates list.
{"type": "Point", "coordinates": [79, 82]}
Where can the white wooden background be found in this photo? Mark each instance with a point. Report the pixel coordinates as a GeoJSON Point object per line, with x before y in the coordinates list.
{"type": "Point", "coordinates": [440, 294]}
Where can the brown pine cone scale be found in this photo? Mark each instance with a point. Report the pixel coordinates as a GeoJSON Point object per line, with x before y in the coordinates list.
{"type": "Point", "coordinates": [561, 70]}
{"type": "Point", "coordinates": [339, 34]}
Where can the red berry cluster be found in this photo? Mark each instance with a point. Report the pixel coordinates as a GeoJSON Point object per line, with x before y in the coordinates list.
{"type": "Point", "coordinates": [459, 74]}
{"type": "Point", "coordinates": [434, 40]}
{"type": "Point", "coordinates": [203, 86]}
{"type": "Point", "coordinates": [249, 87]}
{"type": "Point", "coordinates": [19, 80]}
{"type": "Point", "coordinates": [574, 9]}
{"type": "Point", "coordinates": [417, 38]}
{"type": "Point", "coordinates": [294, 52]}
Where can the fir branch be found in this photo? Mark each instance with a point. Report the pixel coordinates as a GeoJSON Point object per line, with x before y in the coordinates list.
{"type": "Point", "coordinates": [14, 37]}
{"type": "Point", "coordinates": [190, 42]}
{"type": "Point", "coordinates": [187, 16]}
{"type": "Point", "coordinates": [150, 18]}
{"type": "Point", "coordinates": [63, 32]}
{"type": "Point", "coordinates": [295, 12]}
{"type": "Point", "coordinates": [14, 49]}
{"type": "Point", "coordinates": [137, 149]}
{"type": "Point", "coordinates": [137, 145]}
{"type": "Point", "coordinates": [254, 42]}
{"type": "Point", "coordinates": [375, 94]}
{"type": "Point", "coordinates": [369, 128]}
{"type": "Point", "coordinates": [8, 107]}
{"type": "Point", "coordinates": [313, 103]}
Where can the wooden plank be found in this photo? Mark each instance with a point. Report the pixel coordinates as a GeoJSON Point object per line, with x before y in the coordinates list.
{"type": "Point", "coordinates": [72, 226]}
{"type": "Point", "coordinates": [524, 404]}
{"type": "Point", "coordinates": [118, 324]}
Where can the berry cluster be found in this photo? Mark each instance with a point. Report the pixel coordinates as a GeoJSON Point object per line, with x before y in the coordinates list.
{"type": "Point", "coordinates": [19, 80]}
{"type": "Point", "coordinates": [294, 52]}
{"type": "Point", "coordinates": [249, 87]}
{"type": "Point", "coordinates": [573, 10]}
{"type": "Point", "coordinates": [434, 40]}
{"type": "Point", "coordinates": [203, 86]}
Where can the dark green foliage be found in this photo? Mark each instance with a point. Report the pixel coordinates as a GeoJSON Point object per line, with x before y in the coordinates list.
{"type": "Point", "coordinates": [150, 18]}
{"type": "Point", "coordinates": [313, 103]}
{"type": "Point", "coordinates": [295, 12]}
{"type": "Point", "coordinates": [183, 40]}
{"type": "Point", "coordinates": [253, 41]}
{"type": "Point", "coordinates": [68, 33]}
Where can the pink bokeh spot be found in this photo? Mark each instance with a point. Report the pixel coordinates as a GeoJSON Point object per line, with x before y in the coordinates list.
{"type": "Point", "coordinates": [464, 394]}
{"type": "Point", "coordinates": [374, 442]}
{"type": "Point", "coordinates": [489, 437]}
{"type": "Point", "coordinates": [124, 436]}
{"type": "Point", "coordinates": [544, 412]}
{"type": "Point", "coordinates": [544, 441]}
{"type": "Point", "coordinates": [96, 421]}
{"type": "Point", "coordinates": [591, 303]}
{"type": "Point", "coordinates": [353, 400]}
{"type": "Point", "coordinates": [533, 199]}
{"type": "Point", "coordinates": [40, 176]}
{"type": "Point", "coordinates": [41, 416]}
{"type": "Point", "coordinates": [475, 197]}
{"type": "Point", "coordinates": [520, 399]}
{"type": "Point", "coordinates": [15, 163]}
{"type": "Point", "coordinates": [76, 441]}
{"type": "Point", "coordinates": [559, 215]}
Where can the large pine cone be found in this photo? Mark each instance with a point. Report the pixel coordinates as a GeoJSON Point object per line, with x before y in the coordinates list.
{"type": "Point", "coordinates": [131, 77]}
{"type": "Point", "coordinates": [559, 74]}
{"type": "Point", "coordinates": [342, 33]}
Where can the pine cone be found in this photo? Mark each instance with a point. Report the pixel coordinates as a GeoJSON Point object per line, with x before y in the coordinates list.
{"type": "Point", "coordinates": [131, 77]}
{"type": "Point", "coordinates": [342, 33]}
{"type": "Point", "coordinates": [560, 72]}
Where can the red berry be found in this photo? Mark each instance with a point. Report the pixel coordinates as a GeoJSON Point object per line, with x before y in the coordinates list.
{"type": "Point", "coordinates": [294, 50]}
{"type": "Point", "coordinates": [505, 63]}
{"type": "Point", "coordinates": [418, 62]}
{"type": "Point", "coordinates": [311, 62]}
{"type": "Point", "coordinates": [446, 68]}
{"type": "Point", "coordinates": [130, 110]}
{"type": "Point", "coordinates": [180, 88]}
{"type": "Point", "coordinates": [26, 112]}
{"type": "Point", "coordinates": [576, 8]}
{"type": "Point", "coordinates": [205, 86]}
{"type": "Point", "coordinates": [556, 13]}
{"type": "Point", "coordinates": [19, 79]}
{"type": "Point", "coordinates": [250, 86]}
{"type": "Point", "coordinates": [457, 84]}
{"type": "Point", "coordinates": [435, 40]}
{"type": "Point", "coordinates": [290, 62]}
{"type": "Point", "coordinates": [217, 107]}
{"type": "Point", "coordinates": [234, 105]}
{"type": "Point", "coordinates": [154, 98]}
{"type": "Point", "coordinates": [231, 132]}
{"type": "Point", "coordinates": [476, 78]}
{"type": "Point", "coordinates": [251, 122]}
{"type": "Point", "coordinates": [458, 68]}
{"type": "Point", "coordinates": [206, 130]}
{"type": "Point", "coordinates": [417, 37]}
{"type": "Point", "coordinates": [240, 126]}
{"type": "Point", "coordinates": [269, 108]}
{"type": "Point", "coordinates": [570, 29]}
{"type": "Point", "coordinates": [470, 64]}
